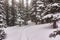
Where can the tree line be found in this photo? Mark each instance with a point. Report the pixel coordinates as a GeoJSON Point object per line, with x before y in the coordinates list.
{"type": "Point", "coordinates": [18, 14]}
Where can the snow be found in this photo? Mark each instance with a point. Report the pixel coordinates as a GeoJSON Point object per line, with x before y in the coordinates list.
{"type": "Point", "coordinates": [41, 5]}
{"type": "Point", "coordinates": [13, 33]}
{"type": "Point", "coordinates": [49, 15]}
{"type": "Point", "coordinates": [49, 5]}
{"type": "Point", "coordinates": [20, 20]}
{"type": "Point", "coordinates": [56, 15]}
{"type": "Point", "coordinates": [31, 32]}
{"type": "Point", "coordinates": [39, 2]}
{"type": "Point", "coordinates": [56, 4]}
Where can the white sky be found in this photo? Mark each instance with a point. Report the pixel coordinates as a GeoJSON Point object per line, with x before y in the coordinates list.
{"type": "Point", "coordinates": [28, 2]}
{"type": "Point", "coordinates": [18, 1]}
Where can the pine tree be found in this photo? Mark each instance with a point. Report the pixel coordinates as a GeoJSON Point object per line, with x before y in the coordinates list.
{"type": "Point", "coordinates": [13, 12]}
{"type": "Point", "coordinates": [2, 20]}
{"type": "Point", "coordinates": [37, 10]}
{"type": "Point", "coordinates": [23, 12]}
{"type": "Point", "coordinates": [7, 11]}
{"type": "Point", "coordinates": [2, 14]}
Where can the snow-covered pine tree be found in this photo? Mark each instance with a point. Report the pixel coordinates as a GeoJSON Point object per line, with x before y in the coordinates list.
{"type": "Point", "coordinates": [2, 20]}
{"type": "Point", "coordinates": [19, 14]}
{"type": "Point", "coordinates": [6, 4]}
{"type": "Point", "coordinates": [13, 12]}
{"type": "Point", "coordinates": [38, 8]}
{"type": "Point", "coordinates": [2, 14]}
{"type": "Point", "coordinates": [52, 13]}
{"type": "Point", "coordinates": [43, 12]}
{"type": "Point", "coordinates": [23, 13]}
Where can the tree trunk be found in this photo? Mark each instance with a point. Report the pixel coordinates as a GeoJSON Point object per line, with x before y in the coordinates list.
{"type": "Point", "coordinates": [55, 24]}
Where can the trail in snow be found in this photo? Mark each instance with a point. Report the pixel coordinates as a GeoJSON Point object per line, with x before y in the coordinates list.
{"type": "Point", "coordinates": [33, 32]}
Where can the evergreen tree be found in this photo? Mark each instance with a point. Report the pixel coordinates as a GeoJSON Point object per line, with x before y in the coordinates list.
{"type": "Point", "coordinates": [2, 20]}
{"type": "Point", "coordinates": [37, 10]}
{"type": "Point", "coordinates": [7, 11]}
{"type": "Point", "coordinates": [13, 12]}
{"type": "Point", "coordinates": [2, 14]}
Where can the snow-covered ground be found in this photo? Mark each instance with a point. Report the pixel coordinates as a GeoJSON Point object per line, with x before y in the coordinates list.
{"type": "Point", "coordinates": [31, 32]}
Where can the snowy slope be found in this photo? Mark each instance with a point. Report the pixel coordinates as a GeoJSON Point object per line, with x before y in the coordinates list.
{"type": "Point", "coordinates": [13, 33]}
{"type": "Point", "coordinates": [39, 32]}
{"type": "Point", "coordinates": [30, 32]}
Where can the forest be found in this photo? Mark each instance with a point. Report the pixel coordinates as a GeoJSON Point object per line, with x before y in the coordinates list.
{"type": "Point", "coordinates": [20, 12]}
